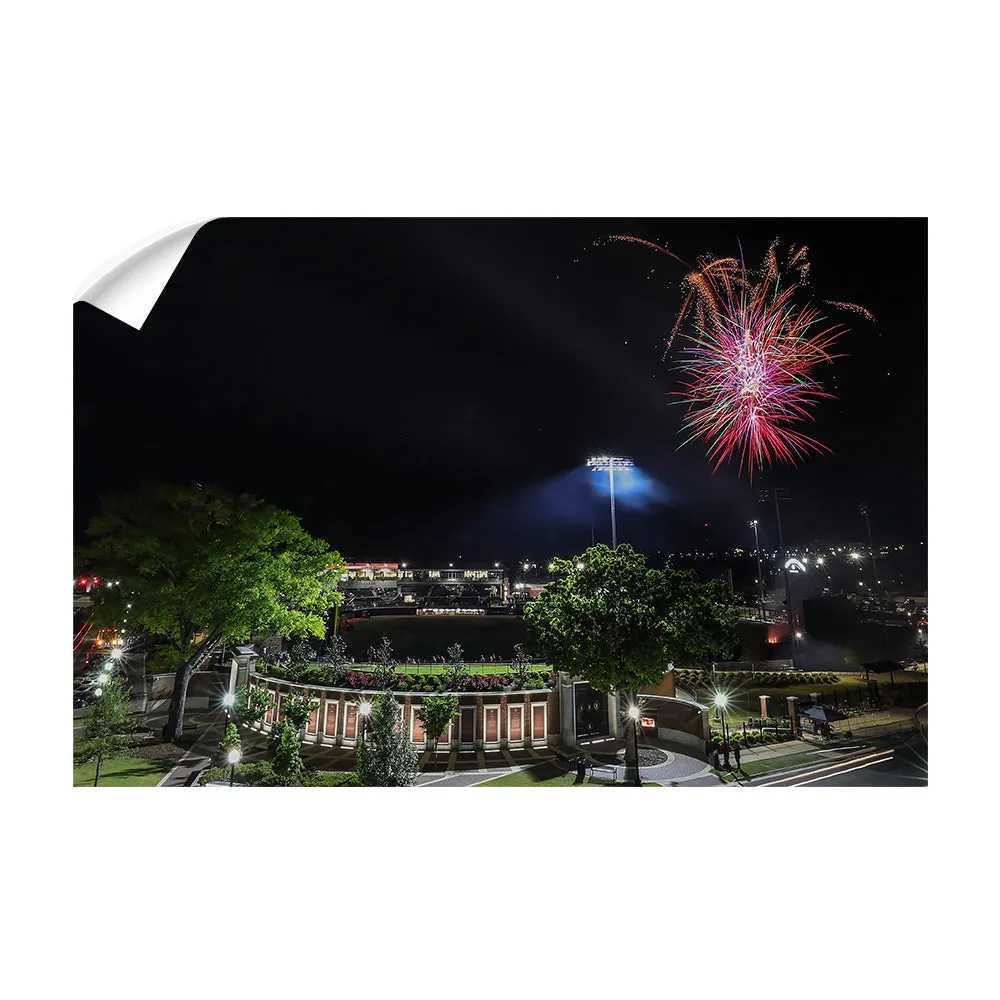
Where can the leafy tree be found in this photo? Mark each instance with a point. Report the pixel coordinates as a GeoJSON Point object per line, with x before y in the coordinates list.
{"type": "Point", "coordinates": [286, 756]}
{"type": "Point", "coordinates": [386, 757]}
{"type": "Point", "coordinates": [520, 667]}
{"type": "Point", "coordinates": [436, 712]}
{"type": "Point", "coordinates": [384, 664]}
{"type": "Point", "coordinates": [297, 709]}
{"type": "Point", "coordinates": [456, 677]}
{"type": "Point", "coordinates": [336, 661]}
{"type": "Point", "coordinates": [110, 729]}
{"type": "Point", "coordinates": [251, 704]}
{"type": "Point", "coordinates": [229, 741]}
{"type": "Point", "coordinates": [610, 619]}
{"type": "Point", "coordinates": [203, 567]}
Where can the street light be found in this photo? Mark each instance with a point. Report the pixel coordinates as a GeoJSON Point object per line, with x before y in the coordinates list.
{"type": "Point", "coordinates": [633, 714]}
{"type": "Point", "coordinates": [365, 708]}
{"type": "Point", "coordinates": [228, 700]}
{"type": "Point", "coordinates": [760, 572]}
{"type": "Point", "coordinates": [609, 462]}
{"type": "Point", "coordinates": [234, 758]}
{"type": "Point", "coordinates": [721, 700]}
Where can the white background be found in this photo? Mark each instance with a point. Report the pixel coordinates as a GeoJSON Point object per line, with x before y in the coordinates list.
{"type": "Point", "coordinates": [123, 120]}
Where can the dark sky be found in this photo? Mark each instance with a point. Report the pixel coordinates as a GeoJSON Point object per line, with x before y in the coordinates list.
{"type": "Point", "coordinates": [425, 390]}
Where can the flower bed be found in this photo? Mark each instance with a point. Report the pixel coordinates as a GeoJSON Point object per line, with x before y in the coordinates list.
{"type": "Point", "coordinates": [369, 680]}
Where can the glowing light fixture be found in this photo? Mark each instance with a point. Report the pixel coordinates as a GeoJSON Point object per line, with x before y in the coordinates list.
{"type": "Point", "coordinates": [609, 463]}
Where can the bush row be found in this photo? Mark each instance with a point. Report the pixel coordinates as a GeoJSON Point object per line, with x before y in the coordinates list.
{"type": "Point", "coordinates": [689, 678]}
{"type": "Point", "coordinates": [754, 737]}
{"type": "Point", "coordinates": [364, 680]}
{"type": "Point", "coordinates": [262, 774]}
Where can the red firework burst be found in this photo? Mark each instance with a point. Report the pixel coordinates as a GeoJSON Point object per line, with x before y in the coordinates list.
{"type": "Point", "coordinates": [748, 372]}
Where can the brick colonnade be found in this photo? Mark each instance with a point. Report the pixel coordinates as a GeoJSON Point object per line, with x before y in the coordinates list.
{"type": "Point", "coordinates": [328, 725]}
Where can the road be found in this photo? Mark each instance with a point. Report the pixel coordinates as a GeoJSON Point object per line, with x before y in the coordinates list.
{"type": "Point", "coordinates": [900, 765]}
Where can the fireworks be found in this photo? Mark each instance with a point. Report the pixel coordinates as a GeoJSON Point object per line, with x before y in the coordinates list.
{"type": "Point", "coordinates": [748, 370]}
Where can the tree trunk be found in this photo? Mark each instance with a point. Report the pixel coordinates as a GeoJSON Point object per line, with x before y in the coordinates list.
{"type": "Point", "coordinates": [97, 772]}
{"type": "Point", "coordinates": [175, 719]}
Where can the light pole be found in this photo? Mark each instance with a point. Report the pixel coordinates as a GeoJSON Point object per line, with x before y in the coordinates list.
{"type": "Point", "coordinates": [228, 700]}
{"type": "Point", "coordinates": [633, 714]}
{"type": "Point", "coordinates": [760, 572]}
{"type": "Point", "coordinates": [609, 462]}
{"type": "Point", "coordinates": [778, 495]}
{"type": "Point", "coordinates": [365, 708]}
{"type": "Point", "coordinates": [721, 701]}
{"type": "Point", "coordinates": [234, 758]}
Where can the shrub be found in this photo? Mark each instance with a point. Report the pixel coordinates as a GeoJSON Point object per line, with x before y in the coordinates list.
{"type": "Point", "coordinates": [274, 670]}
{"type": "Point", "coordinates": [314, 674]}
{"type": "Point", "coordinates": [331, 779]}
{"type": "Point", "coordinates": [334, 674]}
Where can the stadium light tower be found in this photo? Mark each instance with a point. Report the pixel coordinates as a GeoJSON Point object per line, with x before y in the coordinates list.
{"type": "Point", "coordinates": [609, 463]}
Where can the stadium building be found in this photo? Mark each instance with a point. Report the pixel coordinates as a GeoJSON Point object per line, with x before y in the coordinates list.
{"type": "Point", "coordinates": [374, 586]}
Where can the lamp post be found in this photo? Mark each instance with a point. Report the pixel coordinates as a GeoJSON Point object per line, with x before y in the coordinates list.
{"type": "Point", "coordinates": [721, 701]}
{"type": "Point", "coordinates": [609, 462]}
{"type": "Point", "coordinates": [234, 758]}
{"type": "Point", "coordinates": [365, 708]}
{"type": "Point", "coordinates": [633, 714]}
{"type": "Point", "coordinates": [779, 495]}
{"type": "Point", "coordinates": [760, 572]}
{"type": "Point", "coordinates": [228, 700]}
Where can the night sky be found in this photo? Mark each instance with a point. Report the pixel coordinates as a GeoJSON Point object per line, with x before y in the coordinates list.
{"type": "Point", "coordinates": [425, 390]}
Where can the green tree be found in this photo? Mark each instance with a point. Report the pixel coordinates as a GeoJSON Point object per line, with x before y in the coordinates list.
{"type": "Point", "coordinates": [251, 704]}
{"type": "Point", "coordinates": [436, 713]}
{"type": "Point", "coordinates": [336, 661]}
{"type": "Point", "coordinates": [386, 757]}
{"type": "Point", "coordinates": [520, 667]}
{"type": "Point", "coordinates": [609, 618]}
{"type": "Point", "coordinates": [457, 675]}
{"type": "Point", "coordinates": [286, 756]}
{"type": "Point", "coordinates": [384, 664]}
{"type": "Point", "coordinates": [297, 709]}
{"type": "Point", "coordinates": [110, 729]}
{"type": "Point", "coordinates": [202, 567]}
{"type": "Point", "coordinates": [229, 741]}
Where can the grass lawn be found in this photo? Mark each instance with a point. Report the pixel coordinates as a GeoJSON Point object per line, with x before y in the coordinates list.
{"type": "Point", "coordinates": [549, 776]}
{"type": "Point", "coordinates": [131, 771]}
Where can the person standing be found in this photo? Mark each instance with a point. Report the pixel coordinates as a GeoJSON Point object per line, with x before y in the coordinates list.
{"type": "Point", "coordinates": [736, 756]}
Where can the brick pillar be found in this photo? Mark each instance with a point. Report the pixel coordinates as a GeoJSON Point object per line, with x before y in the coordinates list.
{"type": "Point", "coordinates": [504, 740]}
{"type": "Point", "coordinates": [407, 703]}
{"type": "Point", "coordinates": [341, 719]}
{"type": "Point", "coordinates": [526, 721]}
{"type": "Point", "coordinates": [793, 713]}
{"type": "Point", "coordinates": [480, 734]}
{"type": "Point", "coordinates": [763, 705]}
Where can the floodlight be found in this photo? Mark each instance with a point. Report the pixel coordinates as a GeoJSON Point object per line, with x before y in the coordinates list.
{"type": "Point", "coordinates": [234, 756]}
